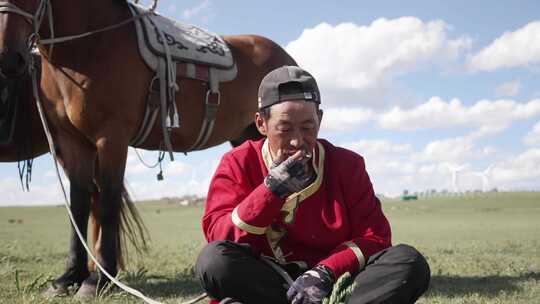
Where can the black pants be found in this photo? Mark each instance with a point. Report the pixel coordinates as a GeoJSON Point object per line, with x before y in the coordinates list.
{"type": "Point", "coordinates": [399, 274]}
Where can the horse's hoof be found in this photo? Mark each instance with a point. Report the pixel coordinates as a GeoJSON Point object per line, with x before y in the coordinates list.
{"type": "Point", "coordinates": [87, 290]}
{"type": "Point", "coordinates": [90, 287]}
{"type": "Point", "coordinates": [66, 284]}
{"type": "Point", "coordinates": [56, 291]}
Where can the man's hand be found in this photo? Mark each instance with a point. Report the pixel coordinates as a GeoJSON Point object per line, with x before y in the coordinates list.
{"type": "Point", "coordinates": [289, 176]}
{"type": "Point", "coordinates": [312, 286]}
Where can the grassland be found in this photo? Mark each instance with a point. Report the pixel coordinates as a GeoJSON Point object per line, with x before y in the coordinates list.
{"type": "Point", "coordinates": [483, 249]}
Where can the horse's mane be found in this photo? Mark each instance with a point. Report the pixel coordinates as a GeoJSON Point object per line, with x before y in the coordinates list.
{"type": "Point", "coordinates": [12, 99]}
{"type": "Point", "coordinates": [16, 122]}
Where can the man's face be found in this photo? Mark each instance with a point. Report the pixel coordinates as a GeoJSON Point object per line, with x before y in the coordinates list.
{"type": "Point", "coordinates": [292, 126]}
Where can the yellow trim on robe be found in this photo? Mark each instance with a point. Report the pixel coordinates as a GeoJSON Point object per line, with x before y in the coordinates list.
{"type": "Point", "coordinates": [245, 226]}
{"type": "Point", "coordinates": [266, 155]}
{"type": "Point", "coordinates": [294, 199]}
{"type": "Point", "coordinates": [274, 235]}
{"type": "Point", "coordinates": [358, 252]}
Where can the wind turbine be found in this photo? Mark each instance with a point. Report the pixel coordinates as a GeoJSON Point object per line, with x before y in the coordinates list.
{"type": "Point", "coordinates": [455, 170]}
{"type": "Point", "coordinates": [485, 178]}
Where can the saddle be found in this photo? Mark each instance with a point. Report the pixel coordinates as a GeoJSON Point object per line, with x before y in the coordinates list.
{"type": "Point", "coordinates": [172, 49]}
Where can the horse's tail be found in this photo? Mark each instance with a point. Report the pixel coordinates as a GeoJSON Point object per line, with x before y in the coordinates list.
{"type": "Point", "coordinates": [131, 228]}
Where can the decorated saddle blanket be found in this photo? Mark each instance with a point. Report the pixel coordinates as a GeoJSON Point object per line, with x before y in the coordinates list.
{"type": "Point", "coordinates": [187, 43]}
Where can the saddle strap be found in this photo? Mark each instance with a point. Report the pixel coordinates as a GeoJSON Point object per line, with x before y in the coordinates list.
{"type": "Point", "coordinates": [211, 104]}
{"type": "Point", "coordinates": [164, 93]}
{"type": "Point", "coordinates": [150, 114]}
{"type": "Point", "coordinates": [153, 108]}
{"type": "Point", "coordinates": [168, 87]}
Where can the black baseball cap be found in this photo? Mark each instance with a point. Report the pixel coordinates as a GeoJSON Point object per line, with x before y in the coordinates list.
{"type": "Point", "coordinates": [288, 83]}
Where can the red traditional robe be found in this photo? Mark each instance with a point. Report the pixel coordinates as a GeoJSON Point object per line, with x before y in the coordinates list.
{"type": "Point", "coordinates": [336, 221]}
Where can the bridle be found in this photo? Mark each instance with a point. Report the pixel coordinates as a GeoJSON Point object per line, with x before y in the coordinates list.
{"type": "Point", "coordinates": [35, 20]}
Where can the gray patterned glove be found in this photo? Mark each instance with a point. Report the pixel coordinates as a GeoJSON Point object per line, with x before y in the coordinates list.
{"type": "Point", "coordinates": [312, 286]}
{"type": "Point", "coordinates": [288, 177]}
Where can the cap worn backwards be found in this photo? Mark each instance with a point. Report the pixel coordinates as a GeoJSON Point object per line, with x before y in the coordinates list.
{"type": "Point", "coordinates": [288, 83]}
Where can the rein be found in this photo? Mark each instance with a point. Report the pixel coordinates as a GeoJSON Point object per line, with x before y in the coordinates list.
{"type": "Point", "coordinates": [36, 20]}
{"type": "Point", "coordinates": [25, 166]}
{"type": "Point", "coordinates": [25, 173]}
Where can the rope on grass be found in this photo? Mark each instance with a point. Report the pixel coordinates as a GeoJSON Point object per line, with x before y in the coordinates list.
{"type": "Point", "coordinates": [342, 290]}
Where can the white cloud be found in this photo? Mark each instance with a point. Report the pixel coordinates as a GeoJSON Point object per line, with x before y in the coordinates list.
{"type": "Point", "coordinates": [452, 150]}
{"type": "Point", "coordinates": [520, 48]}
{"type": "Point", "coordinates": [524, 169]}
{"type": "Point", "coordinates": [457, 150]}
{"type": "Point", "coordinates": [140, 165]}
{"type": "Point", "coordinates": [348, 55]}
{"type": "Point", "coordinates": [489, 150]}
{"type": "Point", "coordinates": [179, 179]}
{"type": "Point", "coordinates": [377, 148]}
{"type": "Point", "coordinates": [42, 192]}
{"type": "Point", "coordinates": [177, 168]}
{"type": "Point", "coordinates": [533, 137]}
{"type": "Point", "coordinates": [388, 163]}
{"type": "Point", "coordinates": [50, 173]}
{"type": "Point", "coordinates": [138, 168]}
{"type": "Point", "coordinates": [511, 88]}
{"type": "Point", "coordinates": [391, 177]}
{"type": "Point", "coordinates": [197, 9]}
{"type": "Point", "coordinates": [342, 119]}
{"type": "Point", "coordinates": [489, 116]}
{"type": "Point", "coordinates": [394, 167]}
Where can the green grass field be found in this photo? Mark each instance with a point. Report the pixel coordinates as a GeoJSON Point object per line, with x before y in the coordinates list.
{"type": "Point", "coordinates": [481, 250]}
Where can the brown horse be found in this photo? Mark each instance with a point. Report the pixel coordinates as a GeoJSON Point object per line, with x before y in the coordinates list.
{"type": "Point", "coordinates": [19, 117]}
{"type": "Point", "coordinates": [94, 92]}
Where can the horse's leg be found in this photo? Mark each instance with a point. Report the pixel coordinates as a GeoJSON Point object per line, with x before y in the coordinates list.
{"type": "Point", "coordinates": [95, 228]}
{"type": "Point", "coordinates": [73, 155]}
{"type": "Point", "coordinates": [111, 154]}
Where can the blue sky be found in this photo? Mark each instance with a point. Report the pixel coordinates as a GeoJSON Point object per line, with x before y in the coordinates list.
{"type": "Point", "coordinates": [416, 88]}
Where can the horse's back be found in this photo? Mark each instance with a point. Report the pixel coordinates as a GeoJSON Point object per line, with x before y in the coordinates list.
{"type": "Point", "coordinates": [260, 50]}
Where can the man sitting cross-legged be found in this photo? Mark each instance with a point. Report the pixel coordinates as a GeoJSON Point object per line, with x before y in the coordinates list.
{"type": "Point", "coordinates": [288, 215]}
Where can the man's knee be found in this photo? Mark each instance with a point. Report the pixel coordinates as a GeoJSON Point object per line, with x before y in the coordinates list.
{"type": "Point", "coordinates": [215, 266]}
{"type": "Point", "coordinates": [226, 269]}
{"type": "Point", "coordinates": [416, 269]}
{"type": "Point", "coordinates": [398, 274]}
{"type": "Point", "coordinates": [216, 257]}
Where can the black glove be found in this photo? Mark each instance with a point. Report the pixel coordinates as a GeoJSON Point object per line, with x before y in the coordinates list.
{"type": "Point", "coordinates": [312, 286]}
{"type": "Point", "coordinates": [288, 177]}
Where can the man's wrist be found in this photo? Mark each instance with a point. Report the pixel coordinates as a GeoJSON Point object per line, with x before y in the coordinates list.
{"type": "Point", "coordinates": [327, 271]}
{"type": "Point", "coordinates": [276, 186]}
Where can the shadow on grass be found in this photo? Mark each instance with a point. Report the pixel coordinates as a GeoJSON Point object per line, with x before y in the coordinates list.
{"type": "Point", "coordinates": [490, 286]}
{"type": "Point", "coordinates": [181, 285]}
